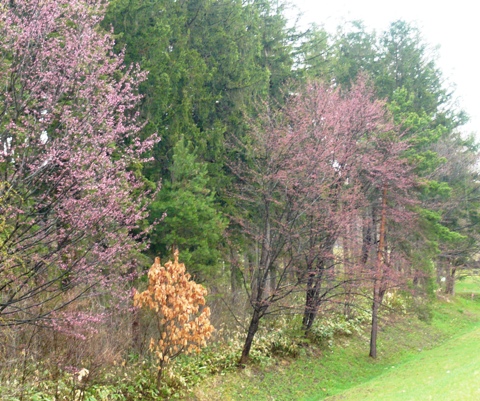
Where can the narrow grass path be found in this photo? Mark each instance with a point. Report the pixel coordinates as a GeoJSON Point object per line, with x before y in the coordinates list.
{"type": "Point", "coordinates": [448, 372]}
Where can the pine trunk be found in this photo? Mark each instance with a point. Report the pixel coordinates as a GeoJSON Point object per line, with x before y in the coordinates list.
{"type": "Point", "coordinates": [450, 285]}
{"type": "Point", "coordinates": [374, 331]}
{"type": "Point", "coordinates": [378, 276]}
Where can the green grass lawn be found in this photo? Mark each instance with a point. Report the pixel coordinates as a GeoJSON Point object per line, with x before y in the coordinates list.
{"type": "Point", "coordinates": [468, 285]}
{"type": "Point", "coordinates": [449, 372]}
{"type": "Point", "coordinates": [403, 342]}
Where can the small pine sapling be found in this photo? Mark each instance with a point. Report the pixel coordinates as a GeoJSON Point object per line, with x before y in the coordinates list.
{"type": "Point", "coordinates": [183, 322]}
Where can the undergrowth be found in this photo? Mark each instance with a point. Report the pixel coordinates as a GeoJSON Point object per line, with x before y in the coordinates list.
{"type": "Point", "coordinates": [285, 364]}
{"type": "Point", "coordinates": [337, 357]}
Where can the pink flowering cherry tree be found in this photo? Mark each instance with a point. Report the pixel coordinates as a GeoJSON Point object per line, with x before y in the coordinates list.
{"type": "Point", "coordinates": [70, 197]}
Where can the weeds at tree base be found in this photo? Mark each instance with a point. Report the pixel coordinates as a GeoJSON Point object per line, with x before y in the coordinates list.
{"type": "Point", "coordinates": [277, 351]}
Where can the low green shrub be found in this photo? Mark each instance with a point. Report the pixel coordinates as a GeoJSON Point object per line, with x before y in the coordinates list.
{"type": "Point", "coordinates": [324, 330]}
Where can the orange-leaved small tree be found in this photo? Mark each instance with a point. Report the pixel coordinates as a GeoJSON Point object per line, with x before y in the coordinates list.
{"type": "Point", "coordinates": [183, 322]}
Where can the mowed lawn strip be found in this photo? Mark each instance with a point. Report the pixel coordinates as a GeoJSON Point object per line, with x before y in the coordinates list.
{"type": "Point", "coordinates": [448, 372]}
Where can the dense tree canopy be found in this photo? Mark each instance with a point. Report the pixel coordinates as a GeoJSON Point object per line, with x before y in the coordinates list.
{"type": "Point", "coordinates": [317, 173]}
{"type": "Point", "coordinates": [69, 136]}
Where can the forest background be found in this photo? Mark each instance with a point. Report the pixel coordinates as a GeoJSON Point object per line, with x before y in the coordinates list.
{"type": "Point", "coordinates": [300, 174]}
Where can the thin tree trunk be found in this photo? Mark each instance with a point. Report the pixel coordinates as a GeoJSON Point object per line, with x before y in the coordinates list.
{"type": "Point", "coordinates": [252, 330]}
{"type": "Point", "coordinates": [375, 308]}
{"type": "Point", "coordinates": [366, 240]}
{"type": "Point", "coordinates": [450, 285]}
{"type": "Point", "coordinates": [160, 373]}
{"type": "Point", "coordinates": [310, 318]}
{"type": "Point", "coordinates": [347, 310]}
{"type": "Point", "coordinates": [313, 300]}
{"type": "Point", "coordinates": [136, 343]}
{"type": "Point", "coordinates": [378, 276]}
{"type": "Point", "coordinates": [307, 320]}
{"type": "Point", "coordinates": [315, 282]}
{"type": "Point", "coordinates": [254, 280]}
{"type": "Point", "coordinates": [272, 279]}
{"type": "Point", "coordinates": [234, 273]}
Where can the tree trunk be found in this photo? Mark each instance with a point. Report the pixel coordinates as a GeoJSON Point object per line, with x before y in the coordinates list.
{"type": "Point", "coordinates": [378, 276]}
{"type": "Point", "coordinates": [375, 308]}
{"type": "Point", "coordinates": [261, 278]}
{"type": "Point", "coordinates": [234, 274]}
{"type": "Point", "coordinates": [315, 281]}
{"type": "Point", "coordinates": [252, 330]}
{"type": "Point", "coordinates": [160, 373]}
{"type": "Point", "coordinates": [308, 317]}
{"type": "Point", "coordinates": [450, 284]}
{"type": "Point", "coordinates": [312, 296]}
{"type": "Point", "coordinates": [272, 280]}
{"type": "Point", "coordinates": [366, 239]}
{"type": "Point", "coordinates": [348, 301]}
{"type": "Point", "coordinates": [347, 287]}
{"type": "Point", "coordinates": [254, 280]}
{"type": "Point", "coordinates": [136, 343]}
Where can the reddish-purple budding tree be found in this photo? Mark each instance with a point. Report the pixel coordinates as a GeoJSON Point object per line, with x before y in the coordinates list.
{"type": "Point", "coordinates": [334, 125]}
{"type": "Point", "coordinates": [69, 146]}
{"type": "Point", "coordinates": [387, 181]}
{"type": "Point", "coordinates": [350, 141]}
{"type": "Point", "coordinates": [302, 184]}
{"type": "Point", "coordinates": [272, 208]}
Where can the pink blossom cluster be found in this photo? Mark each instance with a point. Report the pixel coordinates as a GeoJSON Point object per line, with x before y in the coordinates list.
{"type": "Point", "coordinates": [70, 150]}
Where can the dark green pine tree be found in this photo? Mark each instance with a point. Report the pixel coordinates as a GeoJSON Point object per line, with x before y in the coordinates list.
{"type": "Point", "coordinates": [459, 214]}
{"type": "Point", "coordinates": [313, 55]}
{"type": "Point", "coordinates": [190, 221]}
{"type": "Point", "coordinates": [354, 50]}
{"type": "Point", "coordinates": [156, 34]}
{"type": "Point", "coordinates": [210, 63]}
{"type": "Point", "coordinates": [421, 104]}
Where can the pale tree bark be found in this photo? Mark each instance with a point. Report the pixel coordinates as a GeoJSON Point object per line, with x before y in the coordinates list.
{"type": "Point", "coordinates": [450, 271]}
{"type": "Point", "coordinates": [378, 279]}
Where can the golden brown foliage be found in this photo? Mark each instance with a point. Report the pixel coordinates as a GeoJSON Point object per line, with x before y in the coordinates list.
{"type": "Point", "coordinates": [182, 319]}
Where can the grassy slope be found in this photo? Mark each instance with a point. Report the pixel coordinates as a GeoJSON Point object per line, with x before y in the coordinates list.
{"type": "Point", "coordinates": [315, 376]}
{"type": "Point", "coordinates": [448, 372]}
